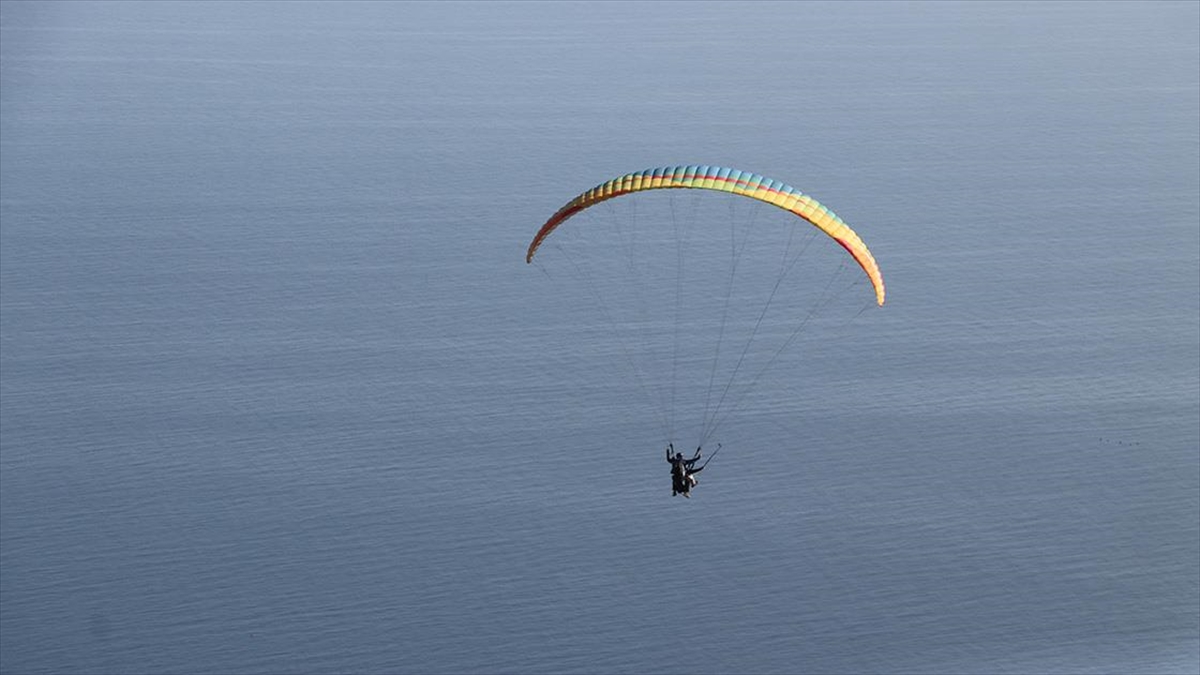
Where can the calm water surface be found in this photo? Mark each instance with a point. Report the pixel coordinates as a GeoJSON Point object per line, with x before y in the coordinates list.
{"type": "Point", "coordinates": [278, 393]}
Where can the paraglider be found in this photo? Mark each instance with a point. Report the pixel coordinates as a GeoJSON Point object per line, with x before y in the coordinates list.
{"type": "Point", "coordinates": [682, 471]}
{"type": "Point", "coordinates": [676, 334]}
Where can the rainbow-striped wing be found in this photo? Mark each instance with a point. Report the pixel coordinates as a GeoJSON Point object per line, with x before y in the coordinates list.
{"type": "Point", "coordinates": [723, 180]}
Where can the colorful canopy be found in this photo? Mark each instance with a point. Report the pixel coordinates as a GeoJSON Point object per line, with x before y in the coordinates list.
{"type": "Point", "coordinates": [723, 180]}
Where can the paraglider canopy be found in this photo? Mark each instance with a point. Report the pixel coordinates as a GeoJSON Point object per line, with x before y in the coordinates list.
{"type": "Point", "coordinates": [723, 179]}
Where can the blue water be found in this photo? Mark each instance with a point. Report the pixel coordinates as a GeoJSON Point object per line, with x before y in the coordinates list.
{"type": "Point", "coordinates": [278, 393]}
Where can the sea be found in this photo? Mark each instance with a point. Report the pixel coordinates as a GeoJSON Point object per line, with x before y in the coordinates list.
{"type": "Point", "coordinates": [279, 392]}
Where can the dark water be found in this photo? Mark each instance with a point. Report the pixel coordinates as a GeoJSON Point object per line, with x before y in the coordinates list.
{"type": "Point", "coordinates": [278, 393]}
